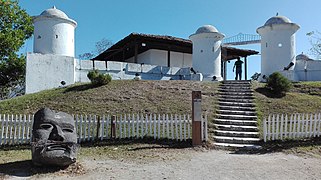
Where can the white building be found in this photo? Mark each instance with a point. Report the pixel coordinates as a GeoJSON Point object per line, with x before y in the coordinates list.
{"type": "Point", "coordinates": [207, 52]}
{"type": "Point", "coordinates": [54, 33]}
{"type": "Point", "coordinates": [52, 63]}
{"type": "Point", "coordinates": [152, 57]}
{"type": "Point", "coordinates": [277, 44]}
{"type": "Point", "coordinates": [278, 49]}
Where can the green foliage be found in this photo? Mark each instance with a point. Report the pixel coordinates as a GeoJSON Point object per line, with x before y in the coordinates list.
{"type": "Point", "coordinates": [15, 27]}
{"type": "Point", "coordinates": [98, 79]}
{"type": "Point", "coordinates": [278, 84]}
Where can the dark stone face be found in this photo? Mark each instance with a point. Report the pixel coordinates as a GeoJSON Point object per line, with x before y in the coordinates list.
{"type": "Point", "coordinates": [54, 138]}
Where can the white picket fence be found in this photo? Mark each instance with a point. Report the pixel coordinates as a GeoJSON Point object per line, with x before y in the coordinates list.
{"type": "Point", "coordinates": [16, 129]}
{"type": "Point", "coordinates": [295, 126]}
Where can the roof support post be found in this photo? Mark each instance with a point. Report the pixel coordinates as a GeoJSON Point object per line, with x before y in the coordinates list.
{"type": "Point", "coordinates": [245, 67]}
{"type": "Point", "coordinates": [224, 70]}
{"type": "Point", "coordinates": [123, 51]}
{"type": "Point", "coordinates": [136, 52]}
{"type": "Point", "coordinates": [168, 58]}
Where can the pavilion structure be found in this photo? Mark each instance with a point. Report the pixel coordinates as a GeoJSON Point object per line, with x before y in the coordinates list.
{"type": "Point", "coordinates": [129, 49]}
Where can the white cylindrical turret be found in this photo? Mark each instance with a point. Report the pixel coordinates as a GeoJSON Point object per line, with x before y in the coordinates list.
{"type": "Point", "coordinates": [277, 44]}
{"type": "Point", "coordinates": [206, 57]}
{"type": "Point", "coordinates": [54, 33]}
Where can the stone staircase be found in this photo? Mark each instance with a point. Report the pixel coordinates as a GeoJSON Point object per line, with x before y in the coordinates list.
{"type": "Point", "coordinates": [236, 122]}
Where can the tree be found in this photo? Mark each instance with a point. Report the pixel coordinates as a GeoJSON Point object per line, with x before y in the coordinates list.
{"type": "Point", "coordinates": [98, 79]}
{"type": "Point", "coordinates": [315, 40]}
{"type": "Point", "coordinates": [15, 27]}
{"type": "Point", "coordinates": [278, 84]}
{"type": "Point", "coordinates": [100, 47]}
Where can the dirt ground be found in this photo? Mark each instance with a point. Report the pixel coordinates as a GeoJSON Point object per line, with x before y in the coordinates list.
{"type": "Point", "coordinates": [156, 162]}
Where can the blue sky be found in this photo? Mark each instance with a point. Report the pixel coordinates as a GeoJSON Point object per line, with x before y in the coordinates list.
{"type": "Point", "coordinates": [115, 19]}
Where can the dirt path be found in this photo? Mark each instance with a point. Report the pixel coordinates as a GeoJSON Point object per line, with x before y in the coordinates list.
{"type": "Point", "coordinates": [191, 164]}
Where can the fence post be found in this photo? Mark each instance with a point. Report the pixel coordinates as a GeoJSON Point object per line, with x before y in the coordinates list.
{"type": "Point", "coordinates": [196, 118]}
{"type": "Point", "coordinates": [113, 127]}
{"type": "Point", "coordinates": [98, 128]}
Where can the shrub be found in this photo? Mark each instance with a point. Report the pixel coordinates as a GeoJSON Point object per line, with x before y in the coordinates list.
{"type": "Point", "coordinates": [98, 79]}
{"type": "Point", "coordinates": [278, 84]}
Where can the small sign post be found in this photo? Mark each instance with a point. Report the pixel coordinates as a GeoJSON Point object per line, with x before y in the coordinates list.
{"type": "Point", "coordinates": [196, 118]}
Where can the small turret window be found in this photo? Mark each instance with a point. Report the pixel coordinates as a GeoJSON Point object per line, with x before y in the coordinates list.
{"type": "Point", "coordinates": [56, 36]}
{"type": "Point", "coordinates": [39, 37]}
{"type": "Point", "coordinates": [201, 51]}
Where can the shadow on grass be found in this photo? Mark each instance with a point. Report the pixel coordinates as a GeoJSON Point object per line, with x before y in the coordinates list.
{"type": "Point", "coordinates": [268, 93]}
{"type": "Point", "coordinates": [25, 169]}
{"type": "Point", "coordinates": [160, 143]}
{"type": "Point", "coordinates": [164, 143]}
{"type": "Point", "coordinates": [82, 87]}
{"type": "Point", "coordinates": [279, 146]}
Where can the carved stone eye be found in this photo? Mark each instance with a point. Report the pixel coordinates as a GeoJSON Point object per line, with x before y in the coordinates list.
{"type": "Point", "coordinates": [68, 130]}
{"type": "Point", "coordinates": [45, 126]}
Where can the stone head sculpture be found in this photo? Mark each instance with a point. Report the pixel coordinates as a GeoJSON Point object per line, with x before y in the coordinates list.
{"type": "Point", "coordinates": [54, 138]}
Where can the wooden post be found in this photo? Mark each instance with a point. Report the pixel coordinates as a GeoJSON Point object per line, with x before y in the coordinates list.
{"type": "Point", "coordinates": [136, 52]}
{"type": "Point", "coordinates": [113, 127]}
{"type": "Point", "coordinates": [245, 67]}
{"type": "Point", "coordinates": [98, 128]}
{"type": "Point", "coordinates": [224, 72]}
{"type": "Point", "coordinates": [196, 118]}
{"type": "Point", "coordinates": [168, 58]}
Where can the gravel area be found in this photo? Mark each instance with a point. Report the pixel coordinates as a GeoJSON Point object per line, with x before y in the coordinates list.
{"type": "Point", "coordinates": [196, 164]}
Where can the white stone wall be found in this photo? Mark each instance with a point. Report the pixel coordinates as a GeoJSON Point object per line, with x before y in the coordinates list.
{"type": "Point", "coordinates": [123, 70]}
{"type": "Point", "coordinates": [48, 71]}
{"type": "Point", "coordinates": [180, 59]}
{"type": "Point", "coordinates": [159, 57]}
{"type": "Point", "coordinates": [308, 70]}
{"type": "Point", "coordinates": [54, 36]}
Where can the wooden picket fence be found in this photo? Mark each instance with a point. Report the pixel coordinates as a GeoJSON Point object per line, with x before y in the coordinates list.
{"type": "Point", "coordinates": [294, 126]}
{"type": "Point", "coordinates": [17, 129]}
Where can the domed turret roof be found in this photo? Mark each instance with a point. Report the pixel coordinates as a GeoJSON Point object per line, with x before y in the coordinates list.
{"type": "Point", "coordinates": [54, 12]}
{"type": "Point", "coordinates": [277, 20]}
{"type": "Point", "coordinates": [206, 29]}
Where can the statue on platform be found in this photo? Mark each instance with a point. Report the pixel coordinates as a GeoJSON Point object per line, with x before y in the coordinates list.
{"type": "Point", "coordinates": [54, 138]}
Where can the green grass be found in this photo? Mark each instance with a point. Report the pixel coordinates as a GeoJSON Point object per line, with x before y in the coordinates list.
{"type": "Point", "coordinates": [294, 101]}
{"type": "Point", "coordinates": [118, 97]}
{"type": "Point", "coordinates": [304, 97]}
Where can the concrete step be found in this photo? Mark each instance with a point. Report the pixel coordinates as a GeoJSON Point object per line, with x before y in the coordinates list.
{"type": "Point", "coordinates": [237, 82]}
{"type": "Point", "coordinates": [236, 100]}
{"type": "Point", "coordinates": [235, 122]}
{"type": "Point", "coordinates": [235, 90]}
{"type": "Point", "coordinates": [236, 128]}
{"type": "Point", "coordinates": [233, 93]}
{"type": "Point", "coordinates": [236, 140]}
{"type": "Point", "coordinates": [247, 146]}
{"type": "Point", "coordinates": [236, 117]}
{"type": "Point", "coordinates": [234, 87]}
{"type": "Point", "coordinates": [236, 108]}
{"type": "Point", "coordinates": [236, 104]}
{"type": "Point", "coordinates": [236, 134]}
{"type": "Point", "coordinates": [235, 96]}
{"type": "Point", "coordinates": [242, 112]}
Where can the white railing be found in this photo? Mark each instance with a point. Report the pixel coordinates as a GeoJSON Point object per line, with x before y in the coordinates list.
{"type": "Point", "coordinates": [295, 126]}
{"type": "Point", "coordinates": [17, 129]}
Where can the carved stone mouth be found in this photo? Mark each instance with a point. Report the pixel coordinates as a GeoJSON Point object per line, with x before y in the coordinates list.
{"type": "Point", "coordinates": [55, 147]}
